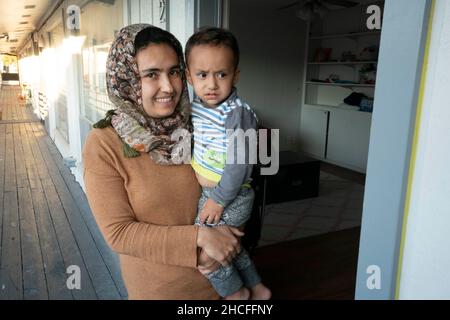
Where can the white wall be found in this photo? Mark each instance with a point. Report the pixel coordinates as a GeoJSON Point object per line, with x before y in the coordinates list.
{"type": "Point", "coordinates": [426, 261]}
{"type": "Point", "coordinates": [139, 11]}
{"type": "Point", "coordinates": [181, 19]}
{"type": "Point", "coordinates": [272, 58]}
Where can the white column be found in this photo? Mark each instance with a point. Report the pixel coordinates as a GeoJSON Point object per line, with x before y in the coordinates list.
{"type": "Point", "coordinates": [426, 262]}
{"type": "Point", "coordinates": [74, 97]}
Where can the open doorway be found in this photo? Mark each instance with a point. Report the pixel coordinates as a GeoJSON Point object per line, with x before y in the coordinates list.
{"type": "Point", "coordinates": [9, 69]}
{"type": "Point", "coordinates": [308, 68]}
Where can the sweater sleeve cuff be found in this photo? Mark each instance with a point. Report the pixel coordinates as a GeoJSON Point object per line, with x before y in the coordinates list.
{"type": "Point", "coordinates": [181, 246]}
{"type": "Point", "coordinates": [215, 195]}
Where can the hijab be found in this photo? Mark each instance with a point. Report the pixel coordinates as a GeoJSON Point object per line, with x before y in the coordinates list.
{"type": "Point", "coordinates": [167, 140]}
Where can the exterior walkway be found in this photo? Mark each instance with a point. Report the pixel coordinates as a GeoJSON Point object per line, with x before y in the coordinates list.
{"type": "Point", "coordinates": [45, 222]}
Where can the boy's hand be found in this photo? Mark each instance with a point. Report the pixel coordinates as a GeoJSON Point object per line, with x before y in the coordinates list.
{"type": "Point", "coordinates": [211, 212]}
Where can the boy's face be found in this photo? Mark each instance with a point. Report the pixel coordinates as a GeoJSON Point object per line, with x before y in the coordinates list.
{"type": "Point", "coordinates": [212, 73]}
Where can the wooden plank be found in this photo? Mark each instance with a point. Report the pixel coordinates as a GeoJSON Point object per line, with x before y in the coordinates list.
{"type": "Point", "coordinates": [21, 172]}
{"type": "Point", "coordinates": [55, 270]}
{"type": "Point", "coordinates": [17, 121]}
{"type": "Point", "coordinates": [31, 170]}
{"type": "Point", "coordinates": [10, 168]}
{"type": "Point", "coordinates": [34, 282]}
{"type": "Point", "coordinates": [54, 267]}
{"type": "Point", "coordinates": [29, 114]}
{"type": "Point", "coordinates": [37, 156]}
{"type": "Point", "coordinates": [8, 108]}
{"type": "Point", "coordinates": [110, 258]}
{"type": "Point", "coordinates": [69, 247]}
{"type": "Point", "coordinates": [19, 110]}
{"type": "Point", "coordinates": [10, 102]}
{"type": "Point", "coordinates": [66, 239]}
{"type": "Point", "coordinates": [2, 175]}
{"type": "Point", "coordinates": [2, 210]}
{"type": "Point", "coordinates": [5, 103]}
{"type": "Point", "coordinates": [23, 112]}
{"type": "Point", "coordinates": [15, 107]}
{"type": "Point", "coordinates": [12, 108]}
{"type": "Point", "coordinates": [101, 278]}
{"type": "Point", "coordinates": [11, 261]}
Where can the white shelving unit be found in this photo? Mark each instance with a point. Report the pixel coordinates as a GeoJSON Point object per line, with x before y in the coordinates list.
{"type": "Point", "coordinates": [348, 71]}
{"type": "Point", "coordinates": [330, 130]}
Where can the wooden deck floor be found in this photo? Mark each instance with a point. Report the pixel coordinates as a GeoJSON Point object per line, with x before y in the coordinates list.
{"type": "Point", "coordinates": [12, 109]}
{"type": "Point", "coordinates": [45, 221]}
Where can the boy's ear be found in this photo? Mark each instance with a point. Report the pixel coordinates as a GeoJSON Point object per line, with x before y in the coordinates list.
{"type": "Point", "coordinates": [188, 76]}
{"type": "Point", "coordinates": [236, 76]}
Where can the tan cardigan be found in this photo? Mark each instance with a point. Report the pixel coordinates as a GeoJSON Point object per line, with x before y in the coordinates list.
{"type": "Point", "coordinates": [145, 212]}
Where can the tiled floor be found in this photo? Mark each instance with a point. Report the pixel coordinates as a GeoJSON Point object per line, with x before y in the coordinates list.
{"type": "Point", "coordinates": [338, 207]}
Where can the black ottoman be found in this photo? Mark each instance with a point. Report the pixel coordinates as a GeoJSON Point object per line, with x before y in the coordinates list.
{"type": "Point", "coordinates": [297, 178]}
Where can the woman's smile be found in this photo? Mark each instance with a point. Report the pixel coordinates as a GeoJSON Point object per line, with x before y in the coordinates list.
{"type": "Point", "coordinates": [167, 99]}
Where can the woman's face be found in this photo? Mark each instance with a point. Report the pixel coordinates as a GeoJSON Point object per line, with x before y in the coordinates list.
{"type": "Point", "coordinates": [161, 80]}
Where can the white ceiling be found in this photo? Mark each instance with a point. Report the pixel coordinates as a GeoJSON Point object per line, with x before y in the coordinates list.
{"type": "Point", "coordinates": [13, 13]}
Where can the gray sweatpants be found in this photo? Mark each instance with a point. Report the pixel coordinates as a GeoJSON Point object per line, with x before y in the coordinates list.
{"type": "Point", "coordinates": [242, 272]}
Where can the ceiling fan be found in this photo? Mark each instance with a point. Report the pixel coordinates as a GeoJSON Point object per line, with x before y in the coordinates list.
{"type": "Point", "coordinates": [309, 9]}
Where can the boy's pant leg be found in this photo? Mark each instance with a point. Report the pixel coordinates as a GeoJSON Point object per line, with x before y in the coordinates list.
{"type": "Point", "coordinates": [225, 280]}
{"type": "Point", "coordinates": [236, 214]}
{"type": "Point", "coordinates": [247, 270]}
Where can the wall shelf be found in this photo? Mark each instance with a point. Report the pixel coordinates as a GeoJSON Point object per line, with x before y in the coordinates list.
{"type": "Point", "coordinates": [346, 35]}
{"type": "Point", "coordinates": [332, 63]}
{"type": "Point", "coordinates": [341, 84]}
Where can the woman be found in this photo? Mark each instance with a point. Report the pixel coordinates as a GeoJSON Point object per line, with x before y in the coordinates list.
{"type": "Point", "coordinates": [142, 196]}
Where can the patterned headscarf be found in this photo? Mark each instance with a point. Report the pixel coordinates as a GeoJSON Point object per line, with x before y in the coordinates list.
{"type": "Point", "coordinates": [167, 140]}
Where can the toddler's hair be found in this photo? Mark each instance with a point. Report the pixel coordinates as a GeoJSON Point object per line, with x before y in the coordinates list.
{"type": "Point", "coordinates": [215, 37]}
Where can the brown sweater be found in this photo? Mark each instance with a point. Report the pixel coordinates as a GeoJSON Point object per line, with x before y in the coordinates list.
{"type": "Point", "coordinates": [145, 212]}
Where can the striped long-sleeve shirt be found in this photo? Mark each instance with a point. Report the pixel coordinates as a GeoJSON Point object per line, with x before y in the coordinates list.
{"type": "Point", "coordinates": [212, 145]}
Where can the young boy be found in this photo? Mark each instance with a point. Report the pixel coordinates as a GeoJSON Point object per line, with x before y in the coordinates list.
{"type": "Point", "coordinates": [212, 58]}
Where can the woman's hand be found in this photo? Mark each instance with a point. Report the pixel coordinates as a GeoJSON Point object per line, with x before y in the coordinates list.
{"type": "Point", "coordinates": [220, 243]}
{"type": "Point", "coordinates": [206, 264]}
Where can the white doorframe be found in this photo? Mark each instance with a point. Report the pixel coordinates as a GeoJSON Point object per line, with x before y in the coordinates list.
{"type": "Point", "coordinates": [403, 42]}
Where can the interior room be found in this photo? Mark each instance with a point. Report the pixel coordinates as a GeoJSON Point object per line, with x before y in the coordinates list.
{"type": "Point", "coordinates": [308, 68]}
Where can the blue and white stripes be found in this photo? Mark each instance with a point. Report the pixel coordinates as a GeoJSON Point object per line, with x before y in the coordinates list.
{"type": "Point", "coordinates": [210, 138]}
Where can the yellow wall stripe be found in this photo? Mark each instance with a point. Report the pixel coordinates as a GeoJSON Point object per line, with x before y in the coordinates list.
{"type": "Point", "coordinates": [414, 147]}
